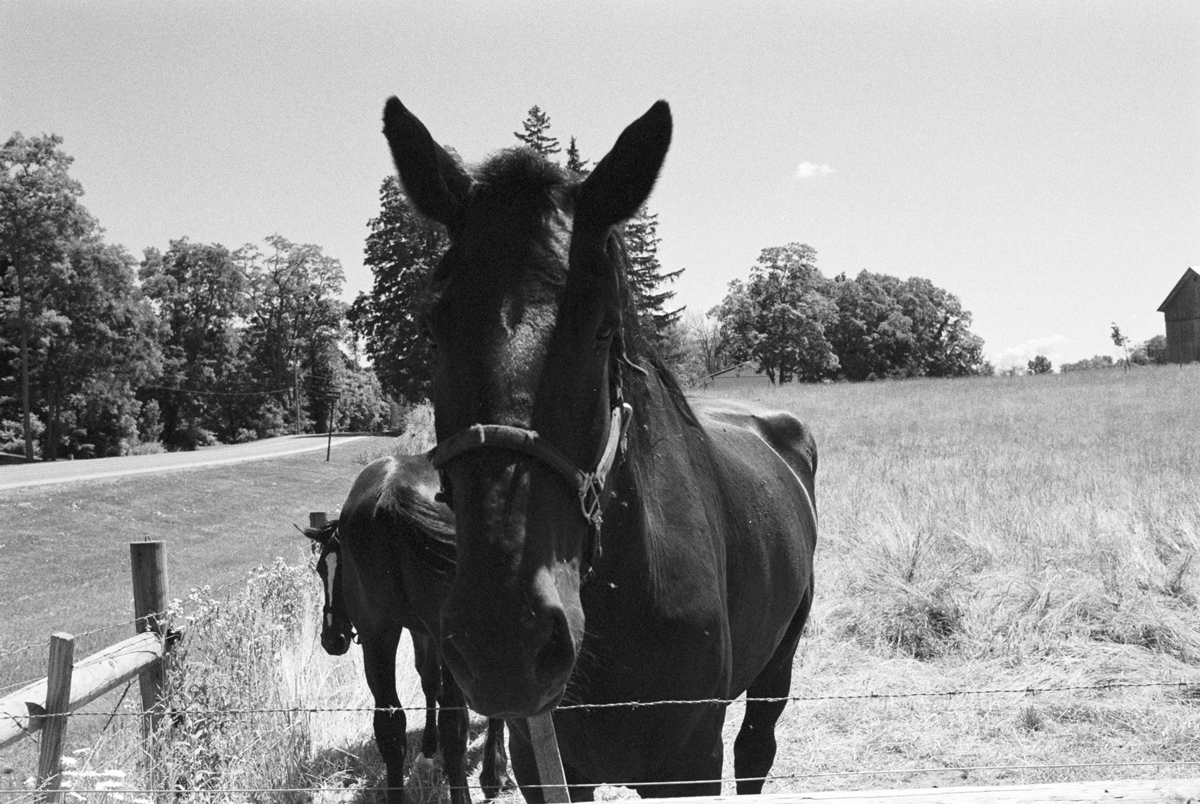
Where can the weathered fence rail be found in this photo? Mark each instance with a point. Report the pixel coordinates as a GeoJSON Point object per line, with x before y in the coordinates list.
{"type": "Point", "coordinates": [24, 712]}
{"type": "Point", "coordinates": [45, 705]}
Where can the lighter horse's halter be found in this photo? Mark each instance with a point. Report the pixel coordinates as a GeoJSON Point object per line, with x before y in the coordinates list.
{"type": "Point", "coordinates": [588, 485]}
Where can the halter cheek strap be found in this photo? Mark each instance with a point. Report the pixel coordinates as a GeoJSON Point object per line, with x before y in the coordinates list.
{"type": "Point", "coordinates": [588, 485]}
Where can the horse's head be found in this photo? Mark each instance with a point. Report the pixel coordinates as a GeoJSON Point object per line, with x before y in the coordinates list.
{"type": "Point", "coordinates": [337, 632]}
{"type": "Point", "coordinates": [528, 320]}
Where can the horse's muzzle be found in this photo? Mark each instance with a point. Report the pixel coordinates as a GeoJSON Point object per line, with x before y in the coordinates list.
{"type": "Point", "coordinates": [335, 644]}
{"type": "Point", "coordinates": [520, 673]}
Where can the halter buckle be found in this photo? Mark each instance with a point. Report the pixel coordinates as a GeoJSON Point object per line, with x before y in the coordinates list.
{"type": "Point", "coordinates": [591, 488]}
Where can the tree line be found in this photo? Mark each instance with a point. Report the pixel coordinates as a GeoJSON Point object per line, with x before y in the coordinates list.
{"type": "Point", "coordinates": [793, 323]}
{"type": "Point", "coordinates": [101, 353]}
{"type": "Point", "coordinates": [105, 354]}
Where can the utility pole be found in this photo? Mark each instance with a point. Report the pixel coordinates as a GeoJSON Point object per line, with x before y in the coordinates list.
{"type": "Point", "coordinates": [329, 442]}
{"type": "Point", "coordinates": [27, 418]}
{"type": "Point", "coordinates": [297, 396]}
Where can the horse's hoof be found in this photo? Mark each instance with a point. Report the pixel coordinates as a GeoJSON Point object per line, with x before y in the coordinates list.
{"type": "Point", "coordinates": [494, 787]}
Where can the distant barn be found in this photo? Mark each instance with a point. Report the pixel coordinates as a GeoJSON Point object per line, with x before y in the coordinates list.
{"type": "Point", "coordinates": [743, 375]}
{"type": "Point", "coordinates": [1182, 311]}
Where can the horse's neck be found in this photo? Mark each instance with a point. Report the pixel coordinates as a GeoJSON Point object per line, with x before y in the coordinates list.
{"type": "Point", "coordinates": [663, 437]}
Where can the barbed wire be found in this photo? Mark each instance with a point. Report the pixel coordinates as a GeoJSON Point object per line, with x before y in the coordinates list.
{"type": "Point", "coordinates": [959, 769]}
{"type": "Point", "coordinates": [870, 696]}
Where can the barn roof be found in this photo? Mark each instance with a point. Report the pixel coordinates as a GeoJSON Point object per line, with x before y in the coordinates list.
{"type": "Point", "coordinates": [734, 368]}
{"type": "Point", "coordinates": [1189, 273]}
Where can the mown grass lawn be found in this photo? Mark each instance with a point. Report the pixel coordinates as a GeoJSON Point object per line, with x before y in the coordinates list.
{"type": "Point", "coordinates": [66, 553]}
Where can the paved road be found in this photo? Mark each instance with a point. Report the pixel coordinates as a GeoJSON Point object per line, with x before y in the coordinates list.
{"type": "Point", "coordinates": [39, 474]}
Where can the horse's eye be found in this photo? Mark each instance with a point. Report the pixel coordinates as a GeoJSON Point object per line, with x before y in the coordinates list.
{"type": "Point", "coordinates": [605, 331]}
{"type": "Point", "coordinates": [427, 334]}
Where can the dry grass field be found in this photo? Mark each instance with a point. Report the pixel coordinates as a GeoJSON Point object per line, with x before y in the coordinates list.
{"type": "Point", "coordinates": [999, 559]}
{"type": "Point", "coordinates": [1037, 532]}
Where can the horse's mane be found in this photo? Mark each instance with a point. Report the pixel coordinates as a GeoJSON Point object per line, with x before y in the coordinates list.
{"type": "Point", "coordinates": [641, 350]}
{"type": "Point", "coordinates": [425, 526]}
{"type": "Point", "coordinates": [520, 177]}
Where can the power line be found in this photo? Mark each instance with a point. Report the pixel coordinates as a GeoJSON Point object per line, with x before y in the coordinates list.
{"type": "Point", "coordinates": [219, 393]}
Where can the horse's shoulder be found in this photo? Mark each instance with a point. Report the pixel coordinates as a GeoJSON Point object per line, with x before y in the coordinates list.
{"type": "Point", "coordinates": [783, 432]}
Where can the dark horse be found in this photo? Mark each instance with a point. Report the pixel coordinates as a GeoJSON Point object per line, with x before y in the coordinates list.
{"type": "Point", "coordinates": [615, 543]}
{"type": "Point", "coordinates": [386, 565]}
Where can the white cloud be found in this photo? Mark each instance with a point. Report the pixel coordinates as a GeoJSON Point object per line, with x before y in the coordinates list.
{"type": "Point", "coordinates": [808, 169]}
{"type": "Point", "coordinates": [1018, 356]}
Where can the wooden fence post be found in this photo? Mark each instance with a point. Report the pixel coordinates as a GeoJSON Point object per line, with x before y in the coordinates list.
{"type": "Point", "coordinates": [58, 706]}
{"type": "Point", "coordinates": [549, 761]}
{"type": "Point", "coordinates": [149, 561]}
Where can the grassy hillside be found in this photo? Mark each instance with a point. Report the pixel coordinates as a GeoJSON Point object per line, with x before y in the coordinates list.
{"type": "Point", "coordinates": [983, 534]}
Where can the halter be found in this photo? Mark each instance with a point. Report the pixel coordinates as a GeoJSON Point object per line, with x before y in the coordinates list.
{"type": "Point", "coordinates": [326, 537]}
{"type": "Point", "coordinates": [588, 485]}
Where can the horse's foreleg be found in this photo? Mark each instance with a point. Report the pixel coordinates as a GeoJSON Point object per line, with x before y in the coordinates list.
{"type": "Point", "coordinates": [754, 748]}
{"type": "Point", "coordinates": [452, 728]}
{"type": "Point", "coordinates": [695, 768]}
{"type": "Point", "coordinates": [429, 668]}
{"type": "Point", "coordinates": [379, 662]}
{"type": "Point", "coordinates": [493, 776]}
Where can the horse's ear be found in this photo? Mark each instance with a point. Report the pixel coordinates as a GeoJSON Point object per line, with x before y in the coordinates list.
{"type": "Point", "coordinates": [433, 179]}
{"type": "Point", "coordinates": [622, 181]}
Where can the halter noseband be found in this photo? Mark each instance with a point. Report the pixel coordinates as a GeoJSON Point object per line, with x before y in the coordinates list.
{"type": "Point", "coordinates": [588, 485]}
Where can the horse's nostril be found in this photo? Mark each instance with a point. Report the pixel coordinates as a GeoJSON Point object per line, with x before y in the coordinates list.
{"type": "Point", "coordinates": [557, 654]}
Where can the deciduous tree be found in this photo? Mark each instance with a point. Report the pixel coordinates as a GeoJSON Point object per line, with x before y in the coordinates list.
{"type": "Point", "coordinates": [780, 317]}
{"type": "Point", "coordinates": [1121, 341]}
{"type": "Point", "coordinates": [201, 296]}
{"type": "Point", "coordinates": [40, 215]}
{"type": "Point", "coordinates": [97, 344]}
{"type": "Point", "coordinates": [1040, 365]}
{"type": "Point", "coordinates": [295, 322]}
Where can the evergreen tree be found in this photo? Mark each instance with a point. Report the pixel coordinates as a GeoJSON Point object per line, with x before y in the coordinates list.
{"type": "Point", "coordinates": [402, 250]}
{"type": "Point", "coordinates": [575, 163]}
{"type": "Point", "coordinates": [536, 125]}
{"type": "Point", "coordinates": [646, 274]}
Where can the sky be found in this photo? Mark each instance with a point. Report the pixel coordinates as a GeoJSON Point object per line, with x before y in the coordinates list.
{"type": "Point", "coordinates": [1040, 160]}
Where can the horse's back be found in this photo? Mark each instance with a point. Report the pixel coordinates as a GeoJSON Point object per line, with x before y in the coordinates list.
{"type": "Point", "coordinates": [398, 544]}
{"type": "Point", "coordinates": [766, 462]}
{"type": "Point", "coordinates": [786, 436]}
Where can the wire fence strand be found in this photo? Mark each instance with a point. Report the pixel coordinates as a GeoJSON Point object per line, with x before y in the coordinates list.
{"type": "Point", "coordinates": [1183, 685]}
{"type": "Point", "coordinates": [958, 769]}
